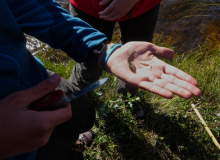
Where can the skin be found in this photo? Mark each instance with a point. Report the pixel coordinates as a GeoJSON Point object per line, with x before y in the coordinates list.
{"type": "Point", "coordinates": [25, 130]}
{"type": "Point", "coordinates": [146, 71]}
{"type": "Point", "coordinates": [116, 9]}
{"type": "Point", "coordinates": [157, 77]}
{"type": "Point", "coordinates": [130, 62]}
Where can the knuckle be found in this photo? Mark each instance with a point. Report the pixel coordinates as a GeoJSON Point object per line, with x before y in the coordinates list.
{"type": "Point", "coordinates": [41, 139]}
{"type": "Point", "coordinates": [165, 85]}
{"type": "Point", "coordinates": [44, 127]}
{"type": "Point", "coordinates": [40, 142]}
{"type": "Point", "coordinates": [42, 86]}
{"type": "Point", "coordinates": [17, 100]}
{"type": "Point", "coordinates": [68, 113]}
{"type": "Point", "coordinates": [42, 133]}
{"type": "Point", "coordinates": [41, 127]}
{"type": "Point", "coordinates": [69, 116]}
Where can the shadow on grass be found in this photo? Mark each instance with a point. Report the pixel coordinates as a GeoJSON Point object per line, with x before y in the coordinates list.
{"type": "Point", "coordinates": [130, 144]}
{"type": "Point", "coordinates": [177, 136]}
{"type": "Point", "coordinates": [174, 141]}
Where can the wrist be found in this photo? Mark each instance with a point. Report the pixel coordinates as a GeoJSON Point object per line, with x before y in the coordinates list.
{"type": "Point", "coordinates": [94, 53]}
{"type": "Point", "coordinates": [99, 60]}
{"type": "Point", "coordinates": [105, 54]}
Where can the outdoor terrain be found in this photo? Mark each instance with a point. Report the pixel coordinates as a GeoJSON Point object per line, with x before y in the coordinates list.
{"type": "Point", "coordinates": [171, 129]}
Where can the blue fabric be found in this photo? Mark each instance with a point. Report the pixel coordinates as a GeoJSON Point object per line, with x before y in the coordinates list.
{"type": "Point", "coordinates": [39, 60]}
{"type": "Point", "coordinates": [50, 23]}
{"type": "Point", "coordinates": [26, 156]}
{"type": "Point", "coordinates": [107, 55]}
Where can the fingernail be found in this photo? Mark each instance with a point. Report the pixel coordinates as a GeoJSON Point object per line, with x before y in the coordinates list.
{"type": "Point", "coordinates": [54, 78]}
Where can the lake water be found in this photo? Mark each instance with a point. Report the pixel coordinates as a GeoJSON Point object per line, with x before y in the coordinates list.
{"type": "Point", "coordinates": [186, 23]}
{"type": "Point", "coordinates": [189, 23]}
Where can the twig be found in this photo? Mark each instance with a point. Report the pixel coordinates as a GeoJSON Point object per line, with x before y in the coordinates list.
{"type": "Point", "coordinates": [206, 127]}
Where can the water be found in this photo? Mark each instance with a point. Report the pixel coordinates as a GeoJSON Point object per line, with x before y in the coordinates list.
{"type": "Point", "coordinates": [186, 24]}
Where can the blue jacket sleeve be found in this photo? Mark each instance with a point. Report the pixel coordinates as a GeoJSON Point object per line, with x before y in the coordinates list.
{"type": "Point", "coordinates": [50, 23]}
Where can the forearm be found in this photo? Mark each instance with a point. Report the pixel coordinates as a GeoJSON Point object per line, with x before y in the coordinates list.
{"type": "Point", "coordinates": [105, 60]}
{"type": "Point", "coordinates": [49, 22]}
{"type": "Point", "coordinates": [99, 61]}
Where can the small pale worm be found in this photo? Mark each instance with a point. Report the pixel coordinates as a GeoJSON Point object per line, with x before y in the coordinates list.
{"type": "Point", "coordinates": [131, 65]}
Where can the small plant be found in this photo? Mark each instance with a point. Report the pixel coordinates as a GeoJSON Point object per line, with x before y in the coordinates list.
{"type": "Point", "coordinates": [171, 129]}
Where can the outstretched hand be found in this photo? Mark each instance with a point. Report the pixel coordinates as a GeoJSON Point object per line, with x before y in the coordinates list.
{"type": "Point", "coordinates": [116, 9]}
{"type": "Point", "coordinates": [149, 72]}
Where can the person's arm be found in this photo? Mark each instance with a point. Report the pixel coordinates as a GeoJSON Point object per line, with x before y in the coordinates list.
{"type": "Point", "coordinates": [149, 73]}
{"type": "Point", "coordinates": [116, 9]}
{"type": "Point", "coordinates": [23, 130]}
{"type": "Point", "coordinates": [47, 21]}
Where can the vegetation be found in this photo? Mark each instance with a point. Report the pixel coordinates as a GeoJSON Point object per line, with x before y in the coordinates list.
{"type": "Point", "coordinates": [171, 129]}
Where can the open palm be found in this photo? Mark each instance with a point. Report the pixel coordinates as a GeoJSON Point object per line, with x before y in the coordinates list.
{"type": "Point", "coordinates": [149, 72]}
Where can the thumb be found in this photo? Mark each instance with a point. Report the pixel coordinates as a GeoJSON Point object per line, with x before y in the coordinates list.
{"type": "Point", "coordinates": [25, 97]}
{"type": "Point", "coordinates": [163, 52]}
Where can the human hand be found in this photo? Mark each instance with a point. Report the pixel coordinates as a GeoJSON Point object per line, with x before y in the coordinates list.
{"type": "Point", "coordinates": [116, 9]}
{"type": "Point", "coordinates": [149, 72]}
{"type": "Point", "coordinates": [23, 130]}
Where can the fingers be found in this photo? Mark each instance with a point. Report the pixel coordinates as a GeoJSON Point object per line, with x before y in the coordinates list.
{"type": "Point", "coordinates": [176, 82]}
{"type": "Point", "coordinates": [111, 13]}
{"type": "Point", "coordinates": [104, 2]}
{"type": "Point", "coordinates": [181, 84]}
{"type": "Point", "coordinates": [175, 89]}
{"type": "Point", "coordinates": [58, 116]}
{"type": "Point", "coordinates": [161, 79]}
{"type": "Point", "coordinates": [156, 89]}
{"type": "Point", "coordinates": [32, 128]}
{"type": "Point", "coordinates": [108, 10]}
{"type": "Point", "coordinates": [153, 49]}
{"type": "Point", "coordinates": [112, 17]}
{"type": "Point", "coordinates": [163, 52]}
{"type": "Point", "coordinates": [22, 99]}
{"type": "Point", "coordinates": [32, 94]}
{"type": "Point", "coordinates": [179, 74]}
{"type": "Point", "coordinates": [166, 89]}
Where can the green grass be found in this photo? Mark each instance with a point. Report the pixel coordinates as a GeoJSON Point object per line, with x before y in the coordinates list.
{"type": "Point", "coordinates": [171, 129]}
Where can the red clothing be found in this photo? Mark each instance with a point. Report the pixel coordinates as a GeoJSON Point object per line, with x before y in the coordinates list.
{"type": "Point", "coordinates": [92, 7]}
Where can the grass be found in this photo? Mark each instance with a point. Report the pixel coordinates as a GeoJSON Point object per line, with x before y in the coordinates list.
{"type": "Point", "coordinates": [171, 129]}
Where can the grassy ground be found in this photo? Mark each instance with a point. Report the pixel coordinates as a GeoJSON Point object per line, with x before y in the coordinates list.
{"type": "Point", "coordinates": [171, 129]}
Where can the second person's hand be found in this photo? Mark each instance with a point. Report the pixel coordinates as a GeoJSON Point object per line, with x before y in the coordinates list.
{"type": "Point", "coordinates": [116, 9]}
{"type": "Point", "coordinates": [149, 72]}
{"type": "Point", "coordinates": [23, 130]}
